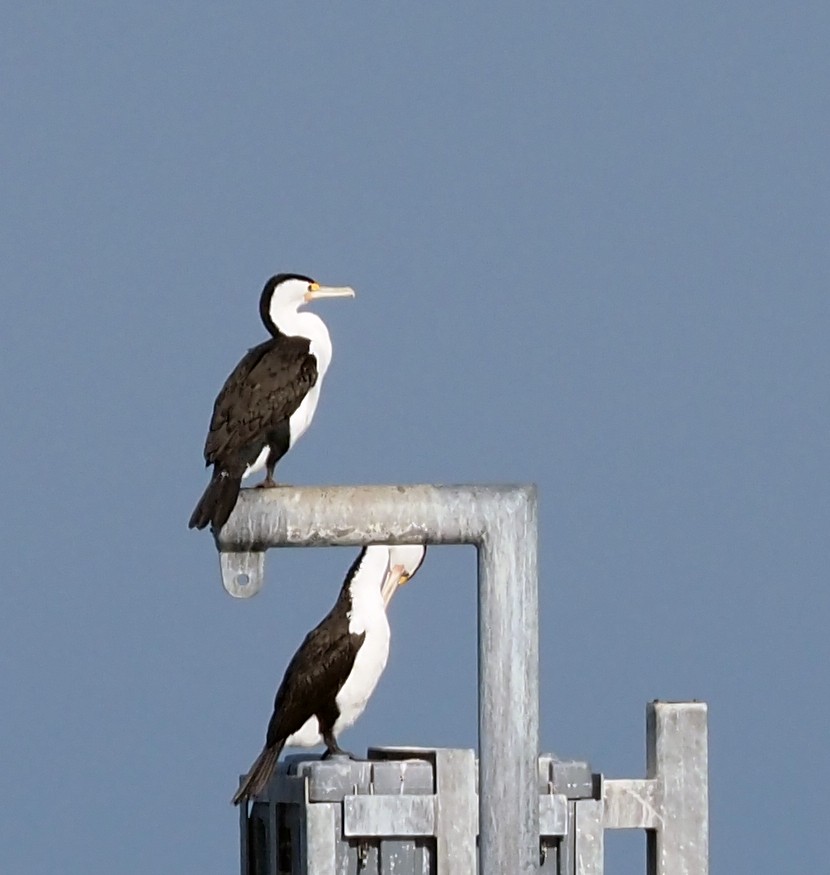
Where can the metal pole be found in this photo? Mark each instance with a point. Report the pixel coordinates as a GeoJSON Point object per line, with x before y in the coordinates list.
{"type": "Point", "coordinates": [508, 683]}
{"type": "Point", "coordinates": [677, 758]}
{"type": "Point", "coordinates": [501, 522]}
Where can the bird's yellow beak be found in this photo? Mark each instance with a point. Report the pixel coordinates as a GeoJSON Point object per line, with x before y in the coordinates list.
{"type": "Point", "coordinates": [395, 577]}
{"type": "Point", "coordinates": [315, 290]}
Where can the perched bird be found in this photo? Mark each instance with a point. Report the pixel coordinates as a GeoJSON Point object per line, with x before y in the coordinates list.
{"type": "Point", "coordinates": [331, 676]}
{"type": "Point", "coordinates": [269, 399]}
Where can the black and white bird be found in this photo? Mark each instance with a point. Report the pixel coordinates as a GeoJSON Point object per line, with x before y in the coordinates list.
{"type": "Point", "coordinates": [269, 399]}
{"type": "Point", "coordinates": [335, 670]}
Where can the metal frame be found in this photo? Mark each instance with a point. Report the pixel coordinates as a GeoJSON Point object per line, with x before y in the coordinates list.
{"type": "Point", "coordinates": [408, 811]}
{"type": "Point", "coordinates": [672, 802]}
{"type": "Point", "coordinates": [413, 811]}
{"type": "Point", "coordinates": [501, 521]}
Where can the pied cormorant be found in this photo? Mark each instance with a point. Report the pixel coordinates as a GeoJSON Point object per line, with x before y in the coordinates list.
{"type": "Point", "coordinates": [331, 676]}
{"type": "Point", "coordinates": [269, 399]}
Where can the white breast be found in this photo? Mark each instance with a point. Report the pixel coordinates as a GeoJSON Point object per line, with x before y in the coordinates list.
{"type": "Point", "coordinates": [360, 684]}
{"type": "Point", "coordinates": [311, 326]}
{"type": "Point", "coordinates": [355, 693]}
{"type": "Point", "coordinates": [301, 418]}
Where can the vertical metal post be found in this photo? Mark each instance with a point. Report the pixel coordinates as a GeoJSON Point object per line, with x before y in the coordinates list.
{"type": "Point", "coordinates": [677, 757]}
{"type": "Point", "coordinates": [508, 705]}
{"type": "Point", "coordinates": [455, 812]}
{"type": "Point", "coordinates": [672, 802]}
{"type": "Point", "coordinates": [589, 840]}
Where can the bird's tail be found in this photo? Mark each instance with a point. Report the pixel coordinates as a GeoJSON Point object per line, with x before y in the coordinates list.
{"type": "Point", "coordinates": [217, 501]}
{"type": "Point", "coordinates": [259, 774]}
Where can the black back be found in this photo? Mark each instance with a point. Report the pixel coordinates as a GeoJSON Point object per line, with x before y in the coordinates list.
{"type": "Point", "coordinates": [317, 670]}
{"type": "Point", "coordinates": [259, 396]}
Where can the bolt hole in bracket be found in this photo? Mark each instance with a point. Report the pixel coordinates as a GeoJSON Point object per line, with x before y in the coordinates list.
{"type": "Point", "coordinates": [243, 574]}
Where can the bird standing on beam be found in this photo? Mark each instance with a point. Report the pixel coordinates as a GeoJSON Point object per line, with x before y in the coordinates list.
{"type": "Point", "coordinates": [335, 670]}
{"type": "Point", "coordinates": [268, 401]}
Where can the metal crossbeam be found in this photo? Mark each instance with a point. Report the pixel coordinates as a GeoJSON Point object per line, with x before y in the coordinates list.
{"type": "Point", "coordinates": [501, 522]}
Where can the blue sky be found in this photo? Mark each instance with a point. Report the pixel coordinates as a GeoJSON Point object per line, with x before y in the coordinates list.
{"type": "Point", "coordinates": [590, 249]}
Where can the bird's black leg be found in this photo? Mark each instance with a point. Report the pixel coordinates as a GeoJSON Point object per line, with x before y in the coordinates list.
{"type": "Point", "coordinates": [279, 440]}
{"type": "Point", "coordinates": [270, 464]}
{"type": "Point", "coordinates": [333, 749]}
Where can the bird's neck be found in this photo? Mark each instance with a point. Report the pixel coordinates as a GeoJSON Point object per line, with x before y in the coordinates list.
{"type": "Point", "coordinates": [366, 609]}
{"type": "Point", "coordinates": [294, 323]}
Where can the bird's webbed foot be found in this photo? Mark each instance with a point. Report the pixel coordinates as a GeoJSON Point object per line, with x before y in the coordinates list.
{"type": "Point", "coordinates": [337, 752]}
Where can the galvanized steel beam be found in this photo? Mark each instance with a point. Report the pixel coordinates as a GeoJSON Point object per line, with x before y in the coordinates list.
{"type": "Point", "coordinates": [672, 802]}
{"type": "Point", "coordinates": [501, 522]}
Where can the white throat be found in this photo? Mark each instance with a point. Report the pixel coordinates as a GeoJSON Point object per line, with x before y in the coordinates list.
{"type": "Point", "coordinates": [367, 609]}
{"type": "Point", "coordinates": [304, 324]}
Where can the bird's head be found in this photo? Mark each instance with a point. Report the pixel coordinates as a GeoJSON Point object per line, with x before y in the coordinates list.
{"type": "Point", "coordinates": [285, 293]}
{"type": "Point", "coordinates": [404, 562]}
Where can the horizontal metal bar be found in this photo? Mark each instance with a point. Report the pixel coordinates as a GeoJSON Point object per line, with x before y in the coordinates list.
{"type": "Point", "coordinates": [348, 516]}
{"type": "Point", "coordinates": [373, 816]}
{"type": "Point", "coordinates": [316, 516]}
{"type": "Point", "coordinates": [289, 790]}
{"type": "Point", "coordinates": [632, 803]}
{"type": "Point", "coordinates": [369, 816]}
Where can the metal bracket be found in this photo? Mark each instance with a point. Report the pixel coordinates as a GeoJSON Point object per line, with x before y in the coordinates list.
{"type": "Point", "coordinates": [501, 522]}
{"type": "Point", "coordinates": [243, 573]}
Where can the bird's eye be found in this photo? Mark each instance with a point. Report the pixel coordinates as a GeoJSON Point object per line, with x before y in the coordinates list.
{"type": "Point", "coordinates": [312, 287]}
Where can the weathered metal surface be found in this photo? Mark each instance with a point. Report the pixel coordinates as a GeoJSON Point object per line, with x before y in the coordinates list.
{"type": "Point", "coordinates": [572, 778]}
{"type": "Point", "coordinates": [410, 776]}
{"type": "Point", "coordinates": [385, 815]}
{"type": "Point", "coordinates": [388, 816]}
{"type": "Point", "coordinates": [412, 811]}
{"type": "Point", "coordinates": [672, 802]}
{"type": "Point", "coordinates": [553, 815]}
{"type": "Point", "coordinates": [501, 521]}
{"type": "Point", "coordinates": [330, 780]}
{"type": "Point", "coordinates": [508, 729]}
{"type": "Point", "coordinates": [242, 573]}
{"type": "Point", "coordinates": [678, 757]}
{"type": "Point", "coordinates": [632, 803]}
{"type": "Point", "coordinates": [320, 839]}
{"type": "Point", "coordinates": [348, 516]}
{"type": "Point", "coordinates": [567, 846]}
{"type": "Point", "coordinates": [589, 841]}
{"type": "Point", "coordinates": [456, 812]}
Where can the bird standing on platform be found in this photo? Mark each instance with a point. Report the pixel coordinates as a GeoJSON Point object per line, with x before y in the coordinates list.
{"type": "Point", "coordinates": [269, 399]}
{"type": "Point", "coordinates": [334, 672]}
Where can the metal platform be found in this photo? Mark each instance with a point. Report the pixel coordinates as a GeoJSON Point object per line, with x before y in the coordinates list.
{"type": "Point", "coordinates": [411, 811]}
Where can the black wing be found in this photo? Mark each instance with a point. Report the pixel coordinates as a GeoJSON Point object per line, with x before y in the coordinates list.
{"type": "Point", "coordinates": [314, 677]}
{"type": "Point", "coordinates": [265, 388]}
